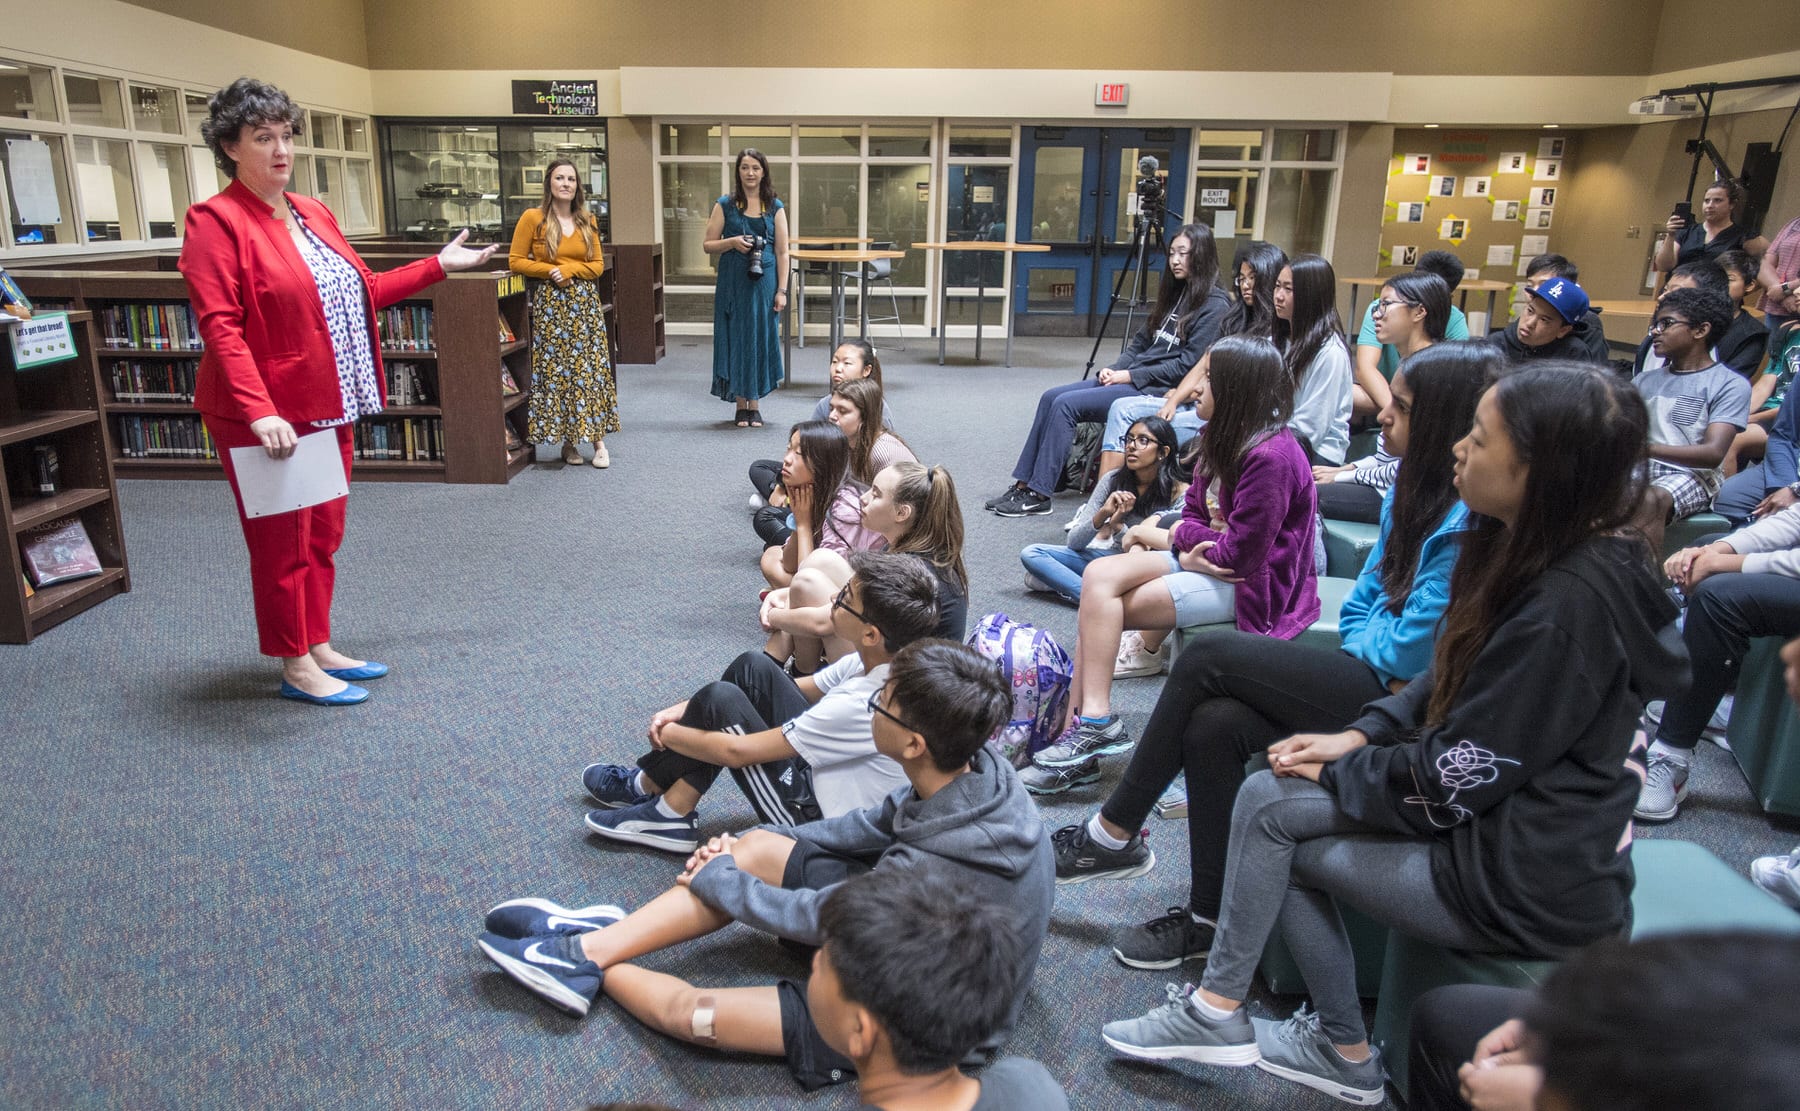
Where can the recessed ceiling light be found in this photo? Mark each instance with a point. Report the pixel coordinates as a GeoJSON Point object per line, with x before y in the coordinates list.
{"type": "Point", "coordinates": [1430, 126]}
{"type": "Point", "coordinates": [1549, 126]}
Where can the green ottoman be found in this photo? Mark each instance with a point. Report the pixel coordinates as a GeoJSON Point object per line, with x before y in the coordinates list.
{"type": "Point", "coordinates": [1347, 547]}
{"type": "Point", "coordinates": [1682, 534]}
{"type": "Point", "coordinates": [1764, 734]}
{"type": "Point", "coordinates": [1324, 631]}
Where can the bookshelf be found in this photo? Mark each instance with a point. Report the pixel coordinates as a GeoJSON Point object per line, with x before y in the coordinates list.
{"type": "Point", "coordinates": [59, 406]}
{"type": "Point", "coordinates": [641, 336]}
{"type": "Point", "coordinates": [447, 419]}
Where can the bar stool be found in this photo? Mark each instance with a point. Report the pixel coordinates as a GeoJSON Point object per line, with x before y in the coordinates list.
{"type": "Point", "coordinates": [881, 270]}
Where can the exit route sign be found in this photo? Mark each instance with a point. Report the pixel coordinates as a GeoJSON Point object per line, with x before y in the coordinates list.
{"type": "Point", "coordinates": [1108, 95]}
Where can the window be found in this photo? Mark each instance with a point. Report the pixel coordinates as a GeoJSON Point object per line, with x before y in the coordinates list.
{"type": "Point", "coordinates": [93, 101]}
{"type": "Point", "coordinates": [108, 197]}
{"type": "Point", "coordinates": [356, 135]}
{"type": "Point", "coordinates": [154, 108]}
{"type": "Point", "coordinates": [27, 92]}
{"type": "Point", "coordinates": [1279, 184]}
{"type": "Point", "coordinates": [37, 189]}
{"type": "Point", "coordinates": [981, 142]}
{"type": "Point", "coordinates": [163, 168]}
{"type": "Point", "coordinates": [691, 140]}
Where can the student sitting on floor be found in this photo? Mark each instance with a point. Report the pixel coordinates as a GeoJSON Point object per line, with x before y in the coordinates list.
{"type": "Point", "coordinates": [855, 405]}
{"type": "Point", "coordinates": [1545, 328]}
{"type": "Point", "coordinates": [1231, 695]}
{"type": "Point", "coordinates": [1379, 354]}
{"type": "Point", "coordinates": [853, 359]}
{"type": "Point", "coordinates": [824, 498]}
{"type": "Point", "coordinates": [1149, 484]}
{"type": "Point", "coordinates": [917, 970]}
{"type": "Point", "coordinates": [1697, 405]}
{"type": "Point", "coordinates": [1742, 586]}
{"type": "Point", "coordinates": [1242, 551]}
{"type": "Point", "coordinates": [799, 750]}
{"type": "Point", "coordinates": [961, 808]}
{"type": "Point", "coordinates": [1746, 339]}
{"type": "Point", "coordinates": [1487, 806]}
{"type": "Point", "coordinates": [914, 509]}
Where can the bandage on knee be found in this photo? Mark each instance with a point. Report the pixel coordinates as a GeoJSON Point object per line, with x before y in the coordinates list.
{"type": "Point", "coordinates": [702, 1022]}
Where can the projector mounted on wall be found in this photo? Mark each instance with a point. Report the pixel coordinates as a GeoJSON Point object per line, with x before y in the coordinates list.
{"type": "Point", "coordinates": [1665, 106]}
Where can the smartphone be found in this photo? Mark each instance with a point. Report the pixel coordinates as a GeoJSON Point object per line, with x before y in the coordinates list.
{"type": "Point", "coordinates": [1685, 210]}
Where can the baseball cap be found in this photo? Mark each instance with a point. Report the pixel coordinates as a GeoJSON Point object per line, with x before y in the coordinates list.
{"type": "Point", "coordinates": [1563, 295]}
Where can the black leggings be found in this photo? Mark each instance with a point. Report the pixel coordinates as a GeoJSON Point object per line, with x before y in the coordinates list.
{"type": "Point", "coordinates": [770, 522]}
{"type": "Point", "coordinates": [1229, 696]}
{"type": "Point", "coordinates": [1447, 1023]}
{"type": "Point", "coordinates": [1350, 501]}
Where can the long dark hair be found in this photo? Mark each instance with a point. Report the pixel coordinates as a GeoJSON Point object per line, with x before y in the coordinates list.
{"type": "Point", "coordinates": [1258, 317]}
{"type": "Point", "coordinates": [1428, 292]}
{"type": "Point", "coordinates": [826, 451]}
{"type": "Point", "coordinates": [1446, 381]}
{"type": "Point", "coordinates": [765, 190]}
{"type": "Point", "coordinates": [1161, 490]}
{"type": "Point", "coordinates": [1251, 395]}
{"type": "Point", "coordinates": [865, 395]}
{"type": "Point", "coordinates": [1581, 432]}
{"type": "Point", "coordinates": [1185, 299]}
{"type": "Point", "coordinates": [936, 531]}
{"type": "Point", "coordinates": [1315, 320]}
{"type": "Point", "coordinates": [549, 231]}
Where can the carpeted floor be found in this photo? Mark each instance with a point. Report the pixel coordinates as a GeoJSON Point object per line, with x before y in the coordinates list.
{"type": "Point", "coordinates": [221, 899]}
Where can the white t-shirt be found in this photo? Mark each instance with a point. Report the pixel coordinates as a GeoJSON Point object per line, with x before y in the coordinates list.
{"type": "Point", "coordinates": [833, 737]}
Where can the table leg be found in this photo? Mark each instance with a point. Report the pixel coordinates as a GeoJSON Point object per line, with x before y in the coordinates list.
{"type": "Point", "coordinates": [787, 336]}
{"type": "Point", "coordinates": [980, 300]}
{"type": "Point", "coordinates": [862, 305]}
{"type": "Point", "coordinates": [800, 326]}
{"type": "Point", "coordinates": [837, 306]}
{"type": "Point", "coordinates": [1492, 293]}
{"type": "Point", "coordinates": [943, 302]}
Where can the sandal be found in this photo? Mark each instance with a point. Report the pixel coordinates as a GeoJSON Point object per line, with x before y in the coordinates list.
{"type": "Point", "coordinates": [743, 418]}
{"type": "Point", "coordinates": [755, 418]}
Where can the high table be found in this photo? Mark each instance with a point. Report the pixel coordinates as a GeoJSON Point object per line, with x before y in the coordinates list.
{"type": "Point", "coordinates": [799, 300]}
{"type": "Point", "coordinates": [1492, 288]}
{"type": "Point", "coordinates": [980, 288]}
{"type": "Point", "coordinates": [1632, 316]}
{"type": "Point", "coordinates": [837, 260]}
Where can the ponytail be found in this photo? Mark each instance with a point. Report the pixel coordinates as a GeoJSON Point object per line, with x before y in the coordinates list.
{"type": "Point", "coordinates": [936, 529]}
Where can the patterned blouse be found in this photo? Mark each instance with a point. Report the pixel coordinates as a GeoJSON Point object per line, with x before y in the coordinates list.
{"type": "Point", "coordinates": [346, 304]}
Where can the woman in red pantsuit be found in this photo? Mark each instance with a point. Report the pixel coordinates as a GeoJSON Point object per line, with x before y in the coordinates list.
{"type": "Point", "coordinates": [287, 311]}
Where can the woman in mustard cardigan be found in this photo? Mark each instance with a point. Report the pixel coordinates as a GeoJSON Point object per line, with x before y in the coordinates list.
{"type": "Point", "coordinates": [573, 396]}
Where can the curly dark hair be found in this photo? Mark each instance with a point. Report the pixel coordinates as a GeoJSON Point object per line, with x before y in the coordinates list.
{"type": "Point", "coordinates": [245, 102]}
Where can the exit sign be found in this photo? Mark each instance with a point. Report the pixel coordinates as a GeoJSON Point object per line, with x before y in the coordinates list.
{"type": "Point", "coordinates": [1111, 96]}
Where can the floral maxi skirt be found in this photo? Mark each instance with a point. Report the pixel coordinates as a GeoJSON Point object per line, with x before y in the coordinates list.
{"type": "Point", "coordinates": [573, 393]}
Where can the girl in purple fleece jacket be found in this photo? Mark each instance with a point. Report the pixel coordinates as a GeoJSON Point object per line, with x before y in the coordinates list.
{"type": "Point", "coordinates": [1242, 551]}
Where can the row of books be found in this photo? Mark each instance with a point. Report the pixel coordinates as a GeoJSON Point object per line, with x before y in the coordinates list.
{"type": "Point", "coordinates": [164, 438]}
{"type": "Point", "coordinates": [406, 328]}
{"type": "Point", "coordinates": [414, 440]}
{"type": "Point", "coordinates": [407, 384]}
{"type": "Point", "coordinates": [159, 381]}
{"type": "Point", "coordinates": [150, 327]}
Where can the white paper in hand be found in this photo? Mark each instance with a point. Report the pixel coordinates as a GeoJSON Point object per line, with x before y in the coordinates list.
{"type": "Point", "coordinates": [314, 474]}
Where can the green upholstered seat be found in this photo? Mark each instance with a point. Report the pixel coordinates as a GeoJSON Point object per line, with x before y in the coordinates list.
{"type": "Point", "coordinates": [1347, 547]}
{"type": "Point", "coordinates": [1764, 730]}
{"type": "Point", "coordinates": [1682, 534]}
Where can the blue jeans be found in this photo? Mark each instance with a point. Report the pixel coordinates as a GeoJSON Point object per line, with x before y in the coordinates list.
{"type": "Point", "coordinates": [1059, 410]}
{"type": "Point", "coordinates": [1740, 495]}
{"type": "Point", "coordinates": [1126, 410]}
{"type": "Point", "coordinates": [1059, 566]}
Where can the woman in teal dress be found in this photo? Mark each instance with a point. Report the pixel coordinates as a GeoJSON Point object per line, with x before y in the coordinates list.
{"type": "Point", "coordinates": [746, 310]}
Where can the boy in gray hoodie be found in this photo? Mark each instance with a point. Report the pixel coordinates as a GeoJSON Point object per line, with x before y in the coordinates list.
{"type": "Point", "coordinates": [963, 809]}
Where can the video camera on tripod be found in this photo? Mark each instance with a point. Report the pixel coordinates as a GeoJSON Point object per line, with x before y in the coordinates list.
{"type": "Point", "coordinates": [1152, 191]}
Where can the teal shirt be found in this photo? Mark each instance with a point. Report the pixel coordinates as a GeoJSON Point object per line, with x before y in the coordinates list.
{"type": "Point", "coordinates": [1457, 328]}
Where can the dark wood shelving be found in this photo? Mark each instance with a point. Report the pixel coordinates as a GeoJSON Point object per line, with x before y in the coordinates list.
{"type": "Point", "coordinates": [150, 408]}
{"type": "Point", "coordinates": [407, 356]}
{"type": "Point", "coordinates": [516, 400]}
{"type": "Point", "coordinates": [28, 513]}
{"type": "Point", "coordinates": [52, 605]}
{"type": "Point", "coordinates": [641, 335]}
{"type": "Point", "coordinates": [29, 425]}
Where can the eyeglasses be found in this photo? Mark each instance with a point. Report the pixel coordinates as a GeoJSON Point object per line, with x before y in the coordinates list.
{"type": "Point", "coordinates": [1382, 306]}
{"type": "Point", "coordinates": [875, 707]}
{"type": "Point", "coordinates": [1662, 323]}
{"type": "Point", "coordinates": [842, 602]}
{"type": "Point", "coordinates": [1240, 281]}
{"type": "Point", "coordinates": [1140, 441]}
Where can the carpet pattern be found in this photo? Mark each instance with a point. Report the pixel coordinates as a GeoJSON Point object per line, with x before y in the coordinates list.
{"type": "Point", "coordinates": [222, 899]}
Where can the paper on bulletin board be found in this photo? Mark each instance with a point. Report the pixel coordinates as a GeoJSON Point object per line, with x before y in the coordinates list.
{"type": "Point", "coordinates": [1416, 165]}
{"type": "Point", "coordinates": [1453, 229]}
{"type": "Point", "coordinates": [1406, 256]}
{"type": "Point", "coordinates": [1506, 210]}
{"type": "Point", "coordinates": [1499, 254]}
{"type": "Point", "coordinates": [1531, 245]}
{"type": "Point", "coordinates": [1542, 197]}
{"type": "Point", "coordinates": [1225, 223]}
{"type": "Point", "coordinates": [1538, 219]}
{"type": "Point", "coordinates": [32, 177]}
{"type": "Point", "coordinates": [1409, 212]}
{"type": "Point", "coordinates": [1551, 148]}
{"type": "Point", "coordinates": [1547, 169]}
{"type": "Point", "coordinates": [313, 475]}
{"type": "Point", "coordinates": [1477, 186]}
{"type": "Point", "coordinates": [1442, 185]}
{"type": "Point", "coordinates": [1511, 162]}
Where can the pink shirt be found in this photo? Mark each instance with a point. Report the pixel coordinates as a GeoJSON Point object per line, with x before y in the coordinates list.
{"type": "Point", "coordinates": [843, 530]}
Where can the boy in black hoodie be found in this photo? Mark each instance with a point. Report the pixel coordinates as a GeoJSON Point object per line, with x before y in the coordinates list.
{"type": "Point", "coordinates": [964, 809]}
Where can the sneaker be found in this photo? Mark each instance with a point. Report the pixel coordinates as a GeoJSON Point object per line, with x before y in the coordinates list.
{"type": "Point", "coordinates": [1011, 493]}
{"type": "Point", "coordinates": [1135, 661]}
{"type": "Point", "coordinates": [1028, 504]}
{"type": "Point", "coordinates": [1664, 790]}
{"type": "Point", "coordinates": [1779, 876]}
{"type": "Point", "coordinates": [757, 502]}
{"type": "Point", "coordinates": [1054, 781]}
{"type": "Point", "coordinates": [1715, 725]}
{"type": "Point", "coordinates": [1177, 1030]}
{"type": "Point", "coordinates": [1033, 583]}
{"type": "Point", "coordinates": [1299, 1051]}
{"type": "Point", "coordinates": [552, 965]}
{"type": "Point", "coordinates": [1075, 520]}
{"type": "Point", "coordinates": [1079, 859]}
{"type": "Point", "coordinates": [613, 785]}
{"type": "Point", "coordinates": [643, 824]}
{"type": "Point", "coordinates": [1164, 942]}
{"type": "Point", "coordinates": [1084, 739]}
{"type": "Point", "coordinates": [1173, 802]}
{"type": "Point", "coordinates": [534, 917]}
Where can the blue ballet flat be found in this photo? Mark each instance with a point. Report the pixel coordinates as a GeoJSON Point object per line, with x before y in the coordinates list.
{"type": "Point", "coordinates": [369, 670]}
{"type": "Point", "coordinates": [349, 696]}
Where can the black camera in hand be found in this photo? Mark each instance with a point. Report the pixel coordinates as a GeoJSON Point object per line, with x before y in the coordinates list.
{"type": "Point", "coordinates": [757, 243]}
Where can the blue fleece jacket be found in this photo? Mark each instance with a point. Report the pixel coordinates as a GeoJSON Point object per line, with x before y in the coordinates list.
{"type": "Point", "coordinates": [1398, 646]}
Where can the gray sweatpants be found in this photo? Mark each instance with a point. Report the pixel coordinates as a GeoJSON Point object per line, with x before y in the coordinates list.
{"type": "Point", "coordinates": [1292, 852]}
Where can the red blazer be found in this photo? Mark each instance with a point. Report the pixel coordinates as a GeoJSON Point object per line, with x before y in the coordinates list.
{"type": "Point", "coordinates": [268, 352]}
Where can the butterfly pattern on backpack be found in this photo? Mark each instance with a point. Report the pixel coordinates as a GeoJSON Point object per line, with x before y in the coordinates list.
{"type": "Point", "coordinates": [1040, 674]}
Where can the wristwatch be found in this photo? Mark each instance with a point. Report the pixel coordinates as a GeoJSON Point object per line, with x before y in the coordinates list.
{"type": "Point", "coordinates": [1794, 489]}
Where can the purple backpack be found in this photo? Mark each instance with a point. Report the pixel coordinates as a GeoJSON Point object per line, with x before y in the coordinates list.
{"type": "Point", "coordinates": [1039, 673]}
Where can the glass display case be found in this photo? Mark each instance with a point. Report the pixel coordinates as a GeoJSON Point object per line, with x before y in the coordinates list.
{"type": "Point", "coordinates": [445, 176]}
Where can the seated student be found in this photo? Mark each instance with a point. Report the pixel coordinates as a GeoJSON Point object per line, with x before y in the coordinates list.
{"type": "Point", "coordinates": [824, 499]}
{"type": "Point", "coordinates": [1189, 309]}
{"type": "Point", "coordinates": [1703, 274]}
{"type": "Point", "coordinates": [1256, 265]}
{"type": "Point", "coordinates": [799, 750]}
{"type": "Point", "coordinates": [1410, 315]}
{"type": "Point", "coordinates": [1230, 696]}
{"type": "Point", "coordinates": [1545, 328]}
{"type": "Point", "coordinates": [1742, 586]}
{"type": "Point", "coordinates": [1769, 485]}
{"type": "Point", "coordinates": [1768, 391]}
{"type": "Point", "coordinates": [1696, 405]}
{"type": "Point", "coordinates": [914, 509]}
{"type": "Point", "coordinates": [1746, 339]}
{"type": "Point", "coordinates": [915, 972]}
{"type": "Point", "coordinates": [1311, 338]}
{"type": "Point", "coordinates": [1378, 357]}
{"type": "Point", "coordinates": [961, 808]}
{"type": "Point", "coordinates": [854, 405]}
{"type": "Point", "coordinates": [853, 358]}
{"type": "Point", "coordinates": [1242, 551]}
{"type": "Point", "coordinates": [1487, 806]}
{"type": "Point", "coordinates": [1588, 330]}
{"type": "Point", "coordinates": [1149, 484]}
{"type": "Point", "coordinates": [1644, 1024]}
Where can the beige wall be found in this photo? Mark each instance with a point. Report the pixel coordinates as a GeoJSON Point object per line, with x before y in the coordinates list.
{"type": "Point", "coordinates": [630, 158]}
{"type": "Point", "coordinates": [1694, 33]}
{"type": "Point", "coordinates": [1366, 151]}
{"type": "Point", "coordinates": [332, 29]}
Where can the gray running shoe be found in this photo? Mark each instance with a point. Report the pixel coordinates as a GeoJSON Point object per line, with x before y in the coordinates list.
{"type": "Point", "coordinates": [1079, 859]}
{"type": "Point", "coordinates": [1664, 790]}
{"type": "Point", "coordinates": [1298, 1050]}
{"type": "Point", "coordinates": [1028, 503]}
{"type": "Point", "coordinates": [1163, 942]}
{"type": "Point", "coordinates": [1054, 781]}
{"type": "Point", "coordinates": [1177, 1030]}
{"type": "Point", "coordinates": [1779, 876]}
{"type": "Point", "coordinates": [1082, 740]}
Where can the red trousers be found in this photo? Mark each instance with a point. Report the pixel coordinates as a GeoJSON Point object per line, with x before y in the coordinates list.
{"type": "Point", "coordinates": [293, 565]}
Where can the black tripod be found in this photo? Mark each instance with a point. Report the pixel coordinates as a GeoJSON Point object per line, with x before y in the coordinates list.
{"type": "Point", "coordinates": [1146, 228]}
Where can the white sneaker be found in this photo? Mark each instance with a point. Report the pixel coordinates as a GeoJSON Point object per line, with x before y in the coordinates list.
{"type": "Point", "coordinates": [1032, 582]}
{"type": "Point", "coordinates": [1135, 661]}
{"type": "Point", "coordinates": [1779, 876]}
{"type": "Point", "coordinates": [1715, 725]}
{"type": "Point", "coordinates": [1075, 520]}
{"type": "Point", "coordinates": [757, 502]}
